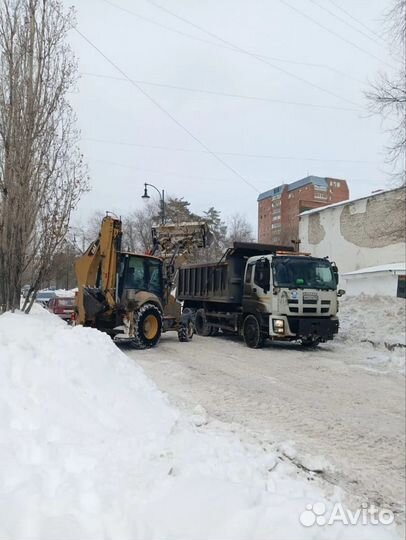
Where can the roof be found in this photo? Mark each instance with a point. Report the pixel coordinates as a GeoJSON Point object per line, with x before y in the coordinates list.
{"type": "Point", "coordinates": [271, 192]}
{"type": "Point", "coordinates": [315, 180]}
{"type": "Point", "coordinates": [391, 267]}
{"type": "Point", "coordinates": [348, 201]}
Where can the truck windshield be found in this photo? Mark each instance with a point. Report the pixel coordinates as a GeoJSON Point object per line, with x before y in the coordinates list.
{"type": "Point", "coordinates": [303, 273]}
{"type": "Point", "coordinates": [144, 274]}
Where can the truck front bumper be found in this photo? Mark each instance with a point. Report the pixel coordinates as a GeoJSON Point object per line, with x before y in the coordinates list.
{"type": "Point", "coordinates": [319, 328]}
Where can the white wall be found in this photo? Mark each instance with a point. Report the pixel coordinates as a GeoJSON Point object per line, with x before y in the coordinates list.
{"type": "Point", "coordinates": [366, 232]}
{"type": "Point", "coordinates": [383, 283]}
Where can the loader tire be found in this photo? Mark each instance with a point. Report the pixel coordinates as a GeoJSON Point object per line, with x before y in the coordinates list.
{"type": "Point", "coordinates": [147, 326]}
{"type": "Point", "coordinates": [186, 331]}
{"type": "Point", "coordinates": [252, 332]}
{"type": "Point", "coordinates": [201, 325]}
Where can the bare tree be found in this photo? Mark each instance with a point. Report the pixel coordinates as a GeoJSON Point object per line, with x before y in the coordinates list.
{"type": "Point", "coordinates": [388, 94]}
{"type": "Point", "coordinates": [137, 226]}
{"type": "Point", "coordinates": [42, 174]}
{"type": "Point", "coordinates": [239, 229]}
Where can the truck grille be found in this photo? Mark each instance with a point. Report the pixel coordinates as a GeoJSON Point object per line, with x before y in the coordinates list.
{"type": "Point", "coordinates": [309, 304]}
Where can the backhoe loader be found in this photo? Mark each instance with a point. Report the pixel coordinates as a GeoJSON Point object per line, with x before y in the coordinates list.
{"type": "Point", "coordinates": [130, 295]}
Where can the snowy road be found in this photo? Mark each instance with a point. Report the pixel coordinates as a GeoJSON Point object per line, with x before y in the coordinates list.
{"type": "Point", "coordinates": [327, 402]}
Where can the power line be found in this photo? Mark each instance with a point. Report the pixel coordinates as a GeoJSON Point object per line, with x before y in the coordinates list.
{"type": "Point", "coordinates": [222, 94]}
{"type": "Point", "coordinates": [345, 40]}
{"type": "Point", "coordinates": [344, 21]}
{"type": "Point", "coordinates": [233, 154]}
{"type": "Point", "coordinates": [169, 173]}
{"type": "Point", "coordinates": [357, 20]}
{"type": "Point", "coordinates": [160, 25]}
{"type": "Point", "coordinates": [168, 114]}
{"type": "Point", "coordinates": [229, 48]}
{"type": "Point", "coordinates": [194, 176]}
{"type": "Point", "coordinates": [246, 52]}
{"type": "Point", "coordinates": [311, 64]}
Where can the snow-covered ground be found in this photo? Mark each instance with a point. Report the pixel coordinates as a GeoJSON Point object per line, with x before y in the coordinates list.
{"type": "Point", "coordinates": [376, 326]}
{"type": "Point", "coordinates": [341, 407]}
{"type": "Point", "coordinates": [91, 449]}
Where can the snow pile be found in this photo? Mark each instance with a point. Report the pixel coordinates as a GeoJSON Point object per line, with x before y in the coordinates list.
{"type": "Point", "coordinates": [65, 293]}
{"type": "Point", "coordinates": [90, 449]}
{"type": "Point", "coordinates": [376, 323]}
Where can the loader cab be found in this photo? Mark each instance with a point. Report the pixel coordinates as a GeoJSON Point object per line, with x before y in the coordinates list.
{"type": "Point", "coordinates": [140, 273]}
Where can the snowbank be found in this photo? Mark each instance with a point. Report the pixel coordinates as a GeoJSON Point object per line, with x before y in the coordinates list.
{"type": "Point", "coordinates": [66, 293]}
{"type": "Point", "coordinates": [375, 323]}
{"type": "Point", "coordinates": [90, 449]}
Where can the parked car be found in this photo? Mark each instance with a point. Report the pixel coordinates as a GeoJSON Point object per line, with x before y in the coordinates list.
{"type": "Point", "coordinates": [62, 306]}
{"type": "Point", "coordinates": [43, 297]}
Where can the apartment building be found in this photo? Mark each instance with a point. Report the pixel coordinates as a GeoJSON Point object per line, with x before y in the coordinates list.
{"type": "Point", "coordinates": [279, 208]}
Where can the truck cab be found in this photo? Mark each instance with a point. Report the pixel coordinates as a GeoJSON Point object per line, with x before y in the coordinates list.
{"type": "Point", "coordinates": [295, 294]}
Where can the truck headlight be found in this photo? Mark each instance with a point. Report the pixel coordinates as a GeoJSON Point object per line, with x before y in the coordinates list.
{"type": "Point", "coordinates": [279, 326]}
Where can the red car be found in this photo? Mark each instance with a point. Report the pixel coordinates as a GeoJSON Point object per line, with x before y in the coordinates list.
{"type": "Point", "coordinates": [62, 306]}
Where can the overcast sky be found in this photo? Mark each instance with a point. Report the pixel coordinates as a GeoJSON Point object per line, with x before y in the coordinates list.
{"type": "Point", "coordinates": [311, 117]}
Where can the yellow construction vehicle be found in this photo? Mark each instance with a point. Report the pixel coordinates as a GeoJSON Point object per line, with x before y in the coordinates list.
{"type": "Point", "coordinates": [130, 295]}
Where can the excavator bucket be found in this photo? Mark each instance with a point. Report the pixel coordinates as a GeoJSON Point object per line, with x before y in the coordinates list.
{"type": "Point", "coordinates": [180, 237]}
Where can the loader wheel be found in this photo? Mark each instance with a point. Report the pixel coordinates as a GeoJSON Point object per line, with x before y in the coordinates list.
{"type": "Point", "coordinates": [186, 331]}
{"type": "Point", "coordinates": [202, 328]}
{"type": "Point", "coordinates": [252, 332]}
{"type": "Point", "coordinates": [147, 326]}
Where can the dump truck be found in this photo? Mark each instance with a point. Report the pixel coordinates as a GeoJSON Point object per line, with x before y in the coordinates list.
{"type": "Point", "coordinates": [263, 291]}
{"type": "Point", "coordinates": [130, 295]}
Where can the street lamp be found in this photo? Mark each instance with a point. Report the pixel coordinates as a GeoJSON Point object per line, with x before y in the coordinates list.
{"type": "Point", "coordinates": [161, 199]}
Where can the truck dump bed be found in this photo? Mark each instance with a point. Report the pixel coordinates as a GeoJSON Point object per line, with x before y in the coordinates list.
{"type": "Point", "coordinates": [221, 282]}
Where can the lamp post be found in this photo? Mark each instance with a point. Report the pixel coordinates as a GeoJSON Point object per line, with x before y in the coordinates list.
{"type": "Point", "coordinates": [161, 199]}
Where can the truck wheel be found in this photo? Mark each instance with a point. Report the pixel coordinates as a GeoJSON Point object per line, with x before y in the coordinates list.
{"type": "Point", "coordinates": [202, 328]}
{"type": "Point", "coordinates": [186, 331]}
{"type": "Point", "coordinates": [252, 332]}
{"type": "Point", "coordinates": [147, 326]}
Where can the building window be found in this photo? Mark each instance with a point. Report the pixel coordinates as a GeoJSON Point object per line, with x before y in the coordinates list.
{"type": "Point", "coordinates": [276, 217]}
{"type": "Point", "coordinates": [276, 225]}
{"type": "Point", "coordinates": [320, 196]}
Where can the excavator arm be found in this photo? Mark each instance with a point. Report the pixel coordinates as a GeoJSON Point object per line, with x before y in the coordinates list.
{"type": "Point", "coordinates": [96, 270]}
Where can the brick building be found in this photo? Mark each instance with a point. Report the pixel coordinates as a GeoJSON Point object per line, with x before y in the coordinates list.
{"type": "Point", "coordinates": [279, 208]}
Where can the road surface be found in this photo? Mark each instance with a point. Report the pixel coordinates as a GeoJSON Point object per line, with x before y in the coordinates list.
{"type": "Point", "coordinates": [326, 402]}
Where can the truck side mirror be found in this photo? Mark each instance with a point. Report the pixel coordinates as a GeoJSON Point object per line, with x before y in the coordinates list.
{"type": "Point", "coordinates": [340, 292]}
{"type": "Point", "coordinates": [335, 271]}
